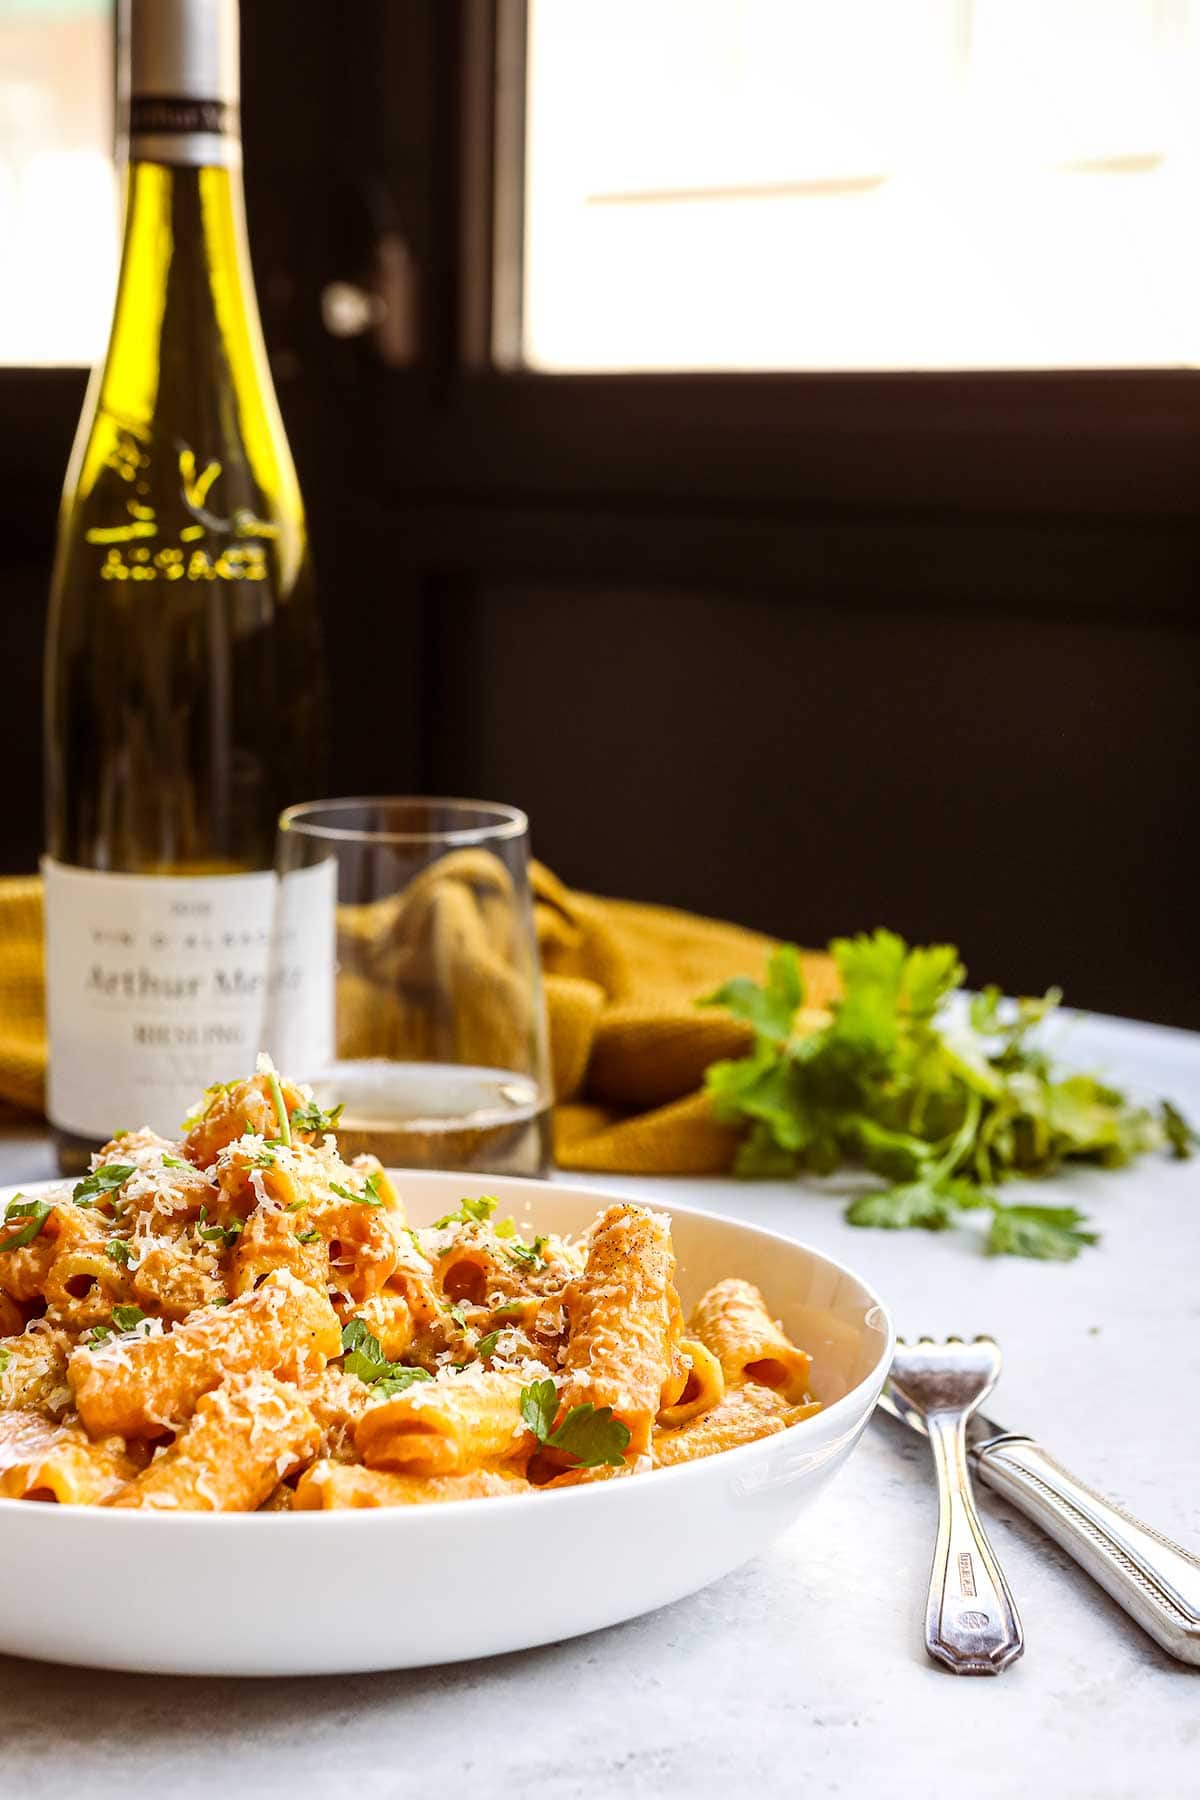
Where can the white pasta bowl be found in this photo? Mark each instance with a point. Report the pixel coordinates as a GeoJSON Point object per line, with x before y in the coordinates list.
{"type": "Point", "coordinates": [330, 1593]}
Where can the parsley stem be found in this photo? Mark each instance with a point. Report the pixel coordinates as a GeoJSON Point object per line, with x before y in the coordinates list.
{"type": "Point", "coordinates": [962, 1140]}
{"type": "Point", "coordinates": [281, 1112]}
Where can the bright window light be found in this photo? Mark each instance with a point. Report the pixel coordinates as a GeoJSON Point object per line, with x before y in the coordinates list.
{"type": "Point", "coordinates": [58, 223]}
{"type": "Point", "coordinates": [888, 184]}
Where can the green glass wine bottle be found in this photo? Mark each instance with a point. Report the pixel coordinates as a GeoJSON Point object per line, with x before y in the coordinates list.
{"type": "Point", "coordinates": [184, 703]}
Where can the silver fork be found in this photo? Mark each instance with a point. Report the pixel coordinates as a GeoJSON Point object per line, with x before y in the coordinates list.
{"type": "Point", "coordinates": [971, 1621]}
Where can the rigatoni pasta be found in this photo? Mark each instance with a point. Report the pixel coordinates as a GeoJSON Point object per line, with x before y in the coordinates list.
{"type": "Point", "coordinates": [732, 1322]}
{"type": "Point", "coordinates": [244, 1320]}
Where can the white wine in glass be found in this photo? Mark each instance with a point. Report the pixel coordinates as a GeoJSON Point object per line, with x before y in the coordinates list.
{"type": "Point", "coordinates": [431, 1036]}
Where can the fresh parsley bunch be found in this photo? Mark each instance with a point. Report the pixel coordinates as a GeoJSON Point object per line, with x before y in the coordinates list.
{"type": "Point", "coordinates": [942, 1112]}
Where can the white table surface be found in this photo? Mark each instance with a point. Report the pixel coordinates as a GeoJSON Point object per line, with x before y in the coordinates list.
{"type": "Point", "coordinates": [803, 1673]}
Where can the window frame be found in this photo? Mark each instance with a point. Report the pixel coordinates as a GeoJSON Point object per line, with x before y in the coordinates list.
{"type": "Point", "coordinates": [1072, 444]}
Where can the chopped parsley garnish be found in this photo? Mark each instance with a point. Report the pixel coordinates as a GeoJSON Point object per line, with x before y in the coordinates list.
{"type": "Point", "coordinates": [34, 1212]}
{"type": "Point", "coordinates": [361, 1350]}
{"type": "Point", "coordinates": [588, 1434]}
{"type": "Point", "coordinates": [281, 1112]}
{"type": "Point", "coordinates": [308, 1237]}
{"type": "Point", "coordinates": [105, 1180]}
{"type": "Point", "coordinates": [470, 1212]}
{"type": "Point", "coordinates": [363, 1356]}
{"type": "Point", "coordinates": [528, 1256]}
{"type": "Point", "coordinates": [125, 1318]}
{"type": "Point", "coordinates": [456, 1312]}
{"type": "Point", "coordinates": [314, 1118]}
{"type": "Point", "coordinates": [512, 1309]}
{"type": "Point", "coordinates": [370, 1195]}
{"type": "Point", "coordinates": [487, 1345]}
{"type": "Point", "coordinates": [5, 1359]}
{"type": "Point", "coordinates": [260, 1159]}
{"type": "Point", "coordinates": [118, 1250]}
{"type": "Point", "coordinates": [396, 1380]}
{"type": "Point", "coordinates": [505, 1228]}
{"type": "Point", "coordinates": [296, 1206]}
{"type": "Point", "coordinates": [99, 1334]}
{"type": "Point", "coordinates": [175, 1162]}
{"type": "Point", "coordinates": [225, 1235]}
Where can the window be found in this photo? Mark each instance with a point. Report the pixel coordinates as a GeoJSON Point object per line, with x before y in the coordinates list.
{"type": "Point", "coordinates": [872, 184]}
{"type": "Point", "coordinates": [57, 189]}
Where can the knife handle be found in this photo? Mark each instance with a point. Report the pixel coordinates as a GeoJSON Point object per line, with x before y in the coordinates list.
{"type": "Point", "coordinates": [1155, 1580]}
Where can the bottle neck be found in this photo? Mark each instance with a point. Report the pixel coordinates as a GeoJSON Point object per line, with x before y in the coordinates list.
{"type": "Point", "coordinates": [178, 67]}
{"type": "Point", "coordinates": [186, 320]}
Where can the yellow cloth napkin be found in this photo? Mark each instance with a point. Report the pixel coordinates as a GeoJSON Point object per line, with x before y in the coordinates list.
{"type": "Point", "coordinates": [628, 1045]}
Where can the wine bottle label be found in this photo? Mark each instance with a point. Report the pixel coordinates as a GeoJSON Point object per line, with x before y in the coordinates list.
{"type": "Point", "coordinates": [184, 132]}
{"type": "Point", "coordinates": [158, 986]}
{"type": "Point", "coordinates": [165, 115]}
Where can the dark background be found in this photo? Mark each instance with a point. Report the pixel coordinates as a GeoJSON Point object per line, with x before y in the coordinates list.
{"type": "Point", "coordinates": [811, 652]}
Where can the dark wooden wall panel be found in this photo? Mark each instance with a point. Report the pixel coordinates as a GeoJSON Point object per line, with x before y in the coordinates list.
{"type": "Point", "coordinates": [1023, 787]}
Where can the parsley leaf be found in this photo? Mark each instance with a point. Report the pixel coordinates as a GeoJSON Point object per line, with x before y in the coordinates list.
{"type": "Point", "coordinates": [308, 1237]}
{"type": "Point", "coordinates": [363, 1356]}
{"type": "Point", "coordinates": [126, 1317]}
{"type": "Point", "coordinates": [487, 1345]}
{"type": "Point", "coordinates": [769, 1008]}
{"type": "Point", "coordinates": [362, 1352]}
{"type": "Point", "coordinates": [456, 1312]}
{"type": "Point", "coordinates": [588, 1434]}
{"type": "Point", "coordinates": [592, 1436]}
{"type": "Point", "coordinates": [226, 1235]}
{"type": "Point", "coordinates": [370, 1195]}
{"type": "Point", "coordinates": [5, 1359]}
{"type": "Point", "coordinates": [1049, 1233]}
{"type": "Point", "coordinates": [118, 1250]}
{"type": "Point", "coordinates": [175, 1162]}
{"type": "Point", "coordinates": [397, 1379]}
{"type": "Point", "coordinates": [471, 1211]}
{"type": "Point", "coordinates": [539, 1403]}
{"type": "Point", "coordinates": [105, 1180]}
{"type": "Point", "coordinates": [932, 1204]}
{"type": "Point", "coordinates": [34, 1212]}
{"type": "Point", "coordinates": [99, 1334]}
{"type": "Point", "coordinates": [312, 1117]}
{"type": "Point", "coordinates": [1179, 1133]}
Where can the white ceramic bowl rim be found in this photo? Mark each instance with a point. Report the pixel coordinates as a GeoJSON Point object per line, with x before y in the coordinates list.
{"type": "Point", "coordinates": [836, 1411]}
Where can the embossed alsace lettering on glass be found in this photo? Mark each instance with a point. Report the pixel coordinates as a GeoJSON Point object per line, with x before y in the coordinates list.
{"type": "Point", "coordinates": [183, 676]}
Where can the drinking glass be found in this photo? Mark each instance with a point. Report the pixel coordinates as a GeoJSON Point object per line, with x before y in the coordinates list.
{"type": "Point", "coordinates": [430, 1030]}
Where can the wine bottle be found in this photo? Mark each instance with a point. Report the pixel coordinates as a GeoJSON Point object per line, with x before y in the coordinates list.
{"type": "Point", "coordinates": [184, 700]}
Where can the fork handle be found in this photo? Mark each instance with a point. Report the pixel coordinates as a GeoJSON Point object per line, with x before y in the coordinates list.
{"type": "Point", "coordinates": [1155, 1580]}
{"type": "Point", "coordinates": [971, 1622]}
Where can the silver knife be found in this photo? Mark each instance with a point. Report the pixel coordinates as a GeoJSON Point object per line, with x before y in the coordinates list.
{"type": "Point", "coordinates": [1155, 1580]}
